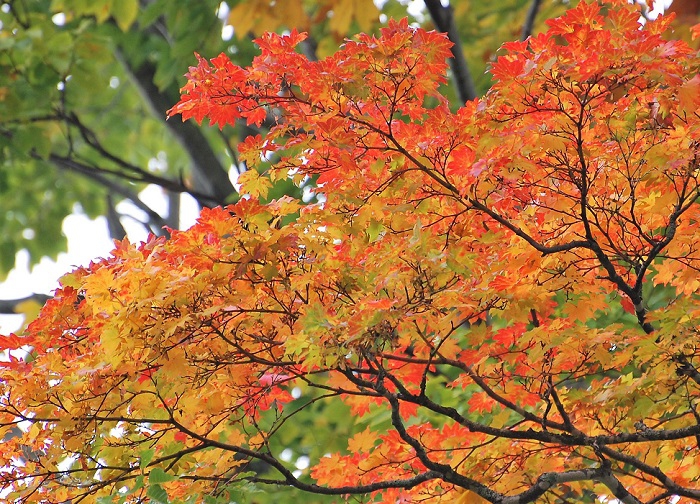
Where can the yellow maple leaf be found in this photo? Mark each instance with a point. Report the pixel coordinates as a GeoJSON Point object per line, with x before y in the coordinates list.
{"type": "Point", "coordinates": [362, 441]}
{"type": "Point", "coordinates": [344, 11]}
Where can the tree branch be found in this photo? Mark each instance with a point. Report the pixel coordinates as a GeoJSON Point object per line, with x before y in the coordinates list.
{"type": "Point", "coordinates": [544, 482]}
{"type": "Point", "coordinates": [547, 480]}
{"type": "Point", "coordinates": [116, 230]}
{"type": "Point", "coordinates": [544, 250]}
{"type": "Point", "coordinates": [617, 489]}
{"type": "Point", "coordinates": [133, 173]}
{"type": "Point", "coordinates": [448, 474]}
{"type": "Point", "coordinates": [210, 177]}
{"type": "Point", "coordinates": [291, 480]}
{"type": "Point", "coordinates": [685, 368]}
{"type": "Point", "coordinates": [9, 306]}
{"type": "Point", "coordinates": [650, 470]}
{"type": "Point", "coordinates": [143, 177]}
{"type": "Point", "coordinates": [530, 19]}
{"type": "Point", "coordinates": [156, 222]}
{"type": "Point", "coordinates": [444, 21]}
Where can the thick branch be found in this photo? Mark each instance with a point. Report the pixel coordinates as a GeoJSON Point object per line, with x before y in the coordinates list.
{"type": "Point", "coordinates": [529, 239]}
{"type": "Point", "coordinates": [530, 19]}
{"type": "Point", "coordinates": [444, 21]}
{"type": "Point", "coordinates": [114, 225]}
{"type": "Point", "coordinates": [291, 480]}
{"type": "Point", "coordinates": [617, 489]}
{"type": "Point", "coordinates": [543, 484]}
{"type": "Point", "coordinates": [9, 306]}
{"type": "Point", "coordinates": [685, 368]}
{"type": "Point", "coordinates": [567, 439]}
{"type": "Point", "coordinates": [634, 293]}
{"type": "Point", "coordinates": [447, 473]}
{"type": "Point", "coordinates": [132, 173]}
{"type": "Point", "coordinates": [652, 471]}
{"type": "Point", "coordinates": [156, 222]}
{"type": "Point", "coordinates": [209, 175]}
{"type": "Point", "coordinates": [548, 480]}
{"type": "Point", "coordinates": [143, 177]}
{"type": "Point", "coordinates": [417, 399]}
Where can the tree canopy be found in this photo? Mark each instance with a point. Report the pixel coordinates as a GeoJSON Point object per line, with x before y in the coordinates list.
{"type": "Point", "coordinates": [501, 299]}
{"type": "Point", "coordinates": [84, 86]}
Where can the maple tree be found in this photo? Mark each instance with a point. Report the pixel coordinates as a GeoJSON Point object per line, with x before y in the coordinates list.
{"type": "Point", "coordinates": [503, 297]}
{"type": "Point", "coordinates": [84, 86]}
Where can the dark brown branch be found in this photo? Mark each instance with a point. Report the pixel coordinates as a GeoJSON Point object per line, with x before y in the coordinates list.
{"type": "Point", "coordinates": [544, 250]}
{"type": "Point", "coordinates": [652, 471]}
{"type": "Point", "coordinates": [530, 19]}
{"type": "Point", "coordinates": [617, 488]}
{"type": "Point", "coordinates": [173, 217]}
{"type": "Point", "coordinates": [143, 177]}
{"type": "Point", "coordinates": [156, 222]}
{"type": "Point", "coordinates": [114, 225]}
{"type": "Point", "coordinates": [9, 306]}
{"type": "Point", "coordinates": [133, 173]}
{"type": "Point", "coordinates": [685, 368]}
{"type": "Point", "coordinates": [291, 480]}
{"type": "Point", "coordinates": [444, 21]}
{"type": "Point", "coordinates": [448, 474]}
{"type": "Point", "coordinates": [547, 480]}
{"type": "Point", "coordinates": [544, 482]}
{"type": "Point", "coordinates": [209, 175]}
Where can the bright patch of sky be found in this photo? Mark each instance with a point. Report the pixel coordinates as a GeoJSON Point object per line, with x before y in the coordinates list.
{"type": "Point", "coordinates": [88, 240]}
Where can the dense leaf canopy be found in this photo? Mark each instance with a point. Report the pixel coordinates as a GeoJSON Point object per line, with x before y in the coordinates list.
{"type": "Point", "coordinates": [84, 86]}
{"type": "Point", "coordinates": [502, 298]}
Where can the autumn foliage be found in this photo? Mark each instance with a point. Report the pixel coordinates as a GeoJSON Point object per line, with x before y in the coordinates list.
{"type": "Point", "coordinates": [505, 297]}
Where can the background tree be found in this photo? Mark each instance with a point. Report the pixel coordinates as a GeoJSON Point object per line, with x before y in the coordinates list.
{"type": "Point", "coordinates": [503, 296]}
{"type": "Point", "coordinates": [84, 87]}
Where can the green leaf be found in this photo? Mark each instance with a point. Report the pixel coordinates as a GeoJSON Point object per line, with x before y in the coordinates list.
{"type": "Point", "coordinates": [151, 12]}
{"type": "Point", "coordinates": [165, 74]}
{"type": "Point", "coordinates": [375, 228]}
{"type": "Point", "coordinates": [642, 404]}
{"type": "Point", "coordinates": [6, 42]}
{"type": "Point", "coordinates": [158, 494]}
{"type": "Point", "coordinates": [145, 458]}
{"type": "Point", "coordinates": [125, 12]}
{"type": "Point", "coordinates": [157, 475]}
{"type": "Point", "coordinates": [269, 271]}
{"type": "Point", "coordinates": [7, 255]}
{"type": "Point", "coordinates": [138, 485]}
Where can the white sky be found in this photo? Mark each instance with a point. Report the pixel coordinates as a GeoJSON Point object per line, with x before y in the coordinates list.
{"type": "Point", "coordinates": [87, 241]}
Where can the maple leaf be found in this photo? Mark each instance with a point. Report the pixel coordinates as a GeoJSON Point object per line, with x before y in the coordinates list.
{"type": "Point", "coordinates": [480, 403]}
{"type": "Point", "coordinates": [689, 96]}
{"type": "Point", "coordinates": [584, 15]}
{"type": "Point", "coordinates": [474, 291]}
{"type": "Point", "coordinates": [362, 441]}
{"type": "Point", "coordinates": [695, 31]}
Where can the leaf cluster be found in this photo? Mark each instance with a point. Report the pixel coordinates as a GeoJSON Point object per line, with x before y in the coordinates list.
{"type": "Point", "coordinates": [503, 297]}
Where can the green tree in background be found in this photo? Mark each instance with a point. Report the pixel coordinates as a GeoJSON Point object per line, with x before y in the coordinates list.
{"type": "Point", "coordinates": [83, 90]}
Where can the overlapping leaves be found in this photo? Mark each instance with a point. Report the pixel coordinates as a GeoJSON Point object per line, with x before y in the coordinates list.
{"type": "Point", "coordinates": [459, 289]}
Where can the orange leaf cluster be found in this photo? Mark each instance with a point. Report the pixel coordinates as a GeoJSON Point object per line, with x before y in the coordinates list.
{"type": "Point", "coordinates": [461, 286]}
